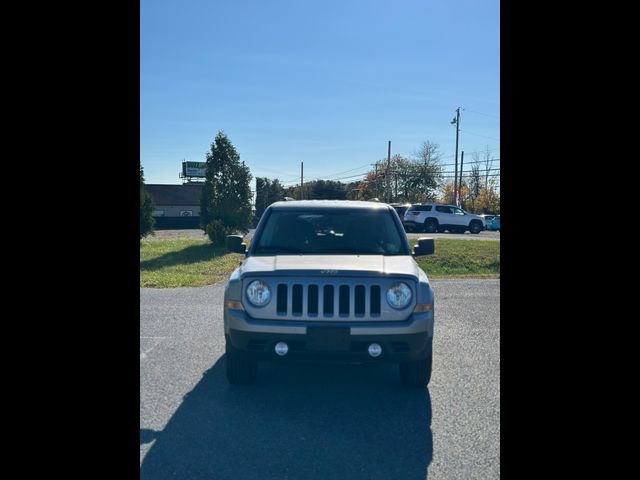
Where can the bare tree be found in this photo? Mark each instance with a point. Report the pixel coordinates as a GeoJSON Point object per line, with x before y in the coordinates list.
{"type": "Point", "coordinates": [428, 167]}
{"type": "Point", "coordinates": [488, 162]}
{"type": "Point", "coordinates": [475, 180]}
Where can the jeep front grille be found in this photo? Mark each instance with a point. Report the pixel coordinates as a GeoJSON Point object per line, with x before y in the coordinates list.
{"type": "Point", "coordinates": [313, 299]}
{"type": "Point", "coordinates": [350, 301]}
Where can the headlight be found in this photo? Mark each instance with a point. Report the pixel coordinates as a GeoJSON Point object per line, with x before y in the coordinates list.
{"type": "Point", "coordinates": [399, 295]}
{"type": "Point", "coordinates": [258, 293]}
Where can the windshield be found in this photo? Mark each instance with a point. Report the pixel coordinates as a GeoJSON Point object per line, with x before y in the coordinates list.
{"type": "Point", "coordinates": [330, 232]}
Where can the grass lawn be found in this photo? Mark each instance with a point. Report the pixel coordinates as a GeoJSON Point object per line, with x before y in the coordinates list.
{"type": "Point", "coordinates": [462, 258]}
{"type": "Point", "coordinates": [191, 262]}
{"type": "Point", "coordinates": [184, 262]}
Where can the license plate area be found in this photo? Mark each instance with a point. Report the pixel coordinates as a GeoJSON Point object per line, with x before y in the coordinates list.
{"type": "Point", "coordinates": [328, 339]}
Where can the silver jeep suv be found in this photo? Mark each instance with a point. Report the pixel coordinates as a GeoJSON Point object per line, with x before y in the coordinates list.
{"type": "Point", "coordinates": [329, 280]}
{"type": "Point", "coordinates": [437, 217]}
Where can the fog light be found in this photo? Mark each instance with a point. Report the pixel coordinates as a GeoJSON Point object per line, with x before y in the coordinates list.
{"type": "Point", "coordinates": [375, 350]}
{"type": "Point", "coordinates": [282, 348]}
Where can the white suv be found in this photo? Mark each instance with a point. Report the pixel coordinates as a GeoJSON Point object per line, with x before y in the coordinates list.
{"type": "Point", "coordinates": [435, 217]}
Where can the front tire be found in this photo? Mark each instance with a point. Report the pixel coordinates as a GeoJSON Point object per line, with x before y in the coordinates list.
{"type": "Point", "coordinates": [475, 227]}
{"type": "Point", "coordinates": [417, 374]}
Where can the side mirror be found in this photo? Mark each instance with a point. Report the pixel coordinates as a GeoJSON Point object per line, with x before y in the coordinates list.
{"type": "Point", "coordinates": [425, 246]}
{"type": "Point", "coordinates": [235, 245]}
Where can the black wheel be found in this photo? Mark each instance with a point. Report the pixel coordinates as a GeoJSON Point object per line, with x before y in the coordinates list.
{"type": "Point", "coordinates": [241, 370]}
{"type": "Point", "coordinates": [431, 225]}
{"type": "Point", "coordinates": [416, 374]}
{"type": "Point", "coordinates": [475, 227]}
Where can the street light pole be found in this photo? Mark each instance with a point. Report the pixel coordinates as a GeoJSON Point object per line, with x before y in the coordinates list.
{"type": "Point", "coordinates": [456, 120]}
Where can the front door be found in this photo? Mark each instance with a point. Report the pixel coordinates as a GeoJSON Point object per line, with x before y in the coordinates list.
{"type": "Point", "coordinates": [445, 215]}
{"type": "Point", "coordinates": [458, 217]}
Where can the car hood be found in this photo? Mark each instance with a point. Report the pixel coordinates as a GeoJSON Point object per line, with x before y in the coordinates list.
{"type": "Point", "coordinates": [331, 265]}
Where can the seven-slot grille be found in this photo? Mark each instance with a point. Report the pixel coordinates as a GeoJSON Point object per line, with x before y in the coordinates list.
{"type": "Point", "coordinates": [328, 300]}
{"type": "Point", "coordinates": [314, 298]}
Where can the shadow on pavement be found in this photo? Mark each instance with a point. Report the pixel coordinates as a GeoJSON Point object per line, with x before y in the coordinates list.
{"type": "Point", "coordinates": [296, 422]}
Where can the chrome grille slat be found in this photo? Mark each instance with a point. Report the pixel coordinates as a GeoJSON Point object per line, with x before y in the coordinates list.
{"type": "Point", "coordinates": [367, 301]}
{"type": "Point", "coordinates": [305, 300]}
{"type": "Point", "coordinates": [289, 299]}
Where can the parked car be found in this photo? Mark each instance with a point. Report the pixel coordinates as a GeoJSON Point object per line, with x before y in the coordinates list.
{"type": "Point", "coordinates": [401, 209]}
{"type": "Point", "coordinates": [436, 217]}
{"type": "Point", "coordinates": [329, 280]}
{"type": "Point", "coordinates": [492, 222]}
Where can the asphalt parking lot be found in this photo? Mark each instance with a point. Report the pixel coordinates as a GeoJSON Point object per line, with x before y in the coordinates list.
{"type": "Point", "coordinates": [318, 421]}
{"type": "Point", "coordinates": [486, 235]}
{"type": "Point", "coordinates": [199, 234]}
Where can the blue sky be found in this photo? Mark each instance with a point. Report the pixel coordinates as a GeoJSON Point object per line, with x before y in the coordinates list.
{"type": "Point", "coordinates": [324, 82]}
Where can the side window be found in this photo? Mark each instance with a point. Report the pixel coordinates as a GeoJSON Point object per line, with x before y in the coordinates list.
{"type": "Point", "coordinates": [424, 208]}
{"type": "Point", "coordinates": [458, 211]}
{"type": "Point", "coordinates": [443, 209]}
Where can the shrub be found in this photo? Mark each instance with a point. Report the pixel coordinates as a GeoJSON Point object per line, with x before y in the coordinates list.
{"type": "Point", "coordinates": [217, 232]}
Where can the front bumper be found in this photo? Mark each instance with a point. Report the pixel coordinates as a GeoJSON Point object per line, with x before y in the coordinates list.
{"type": "Point", "coordinates": [395, 348]}
{"type": "Point", "coordinates": [404, 341]}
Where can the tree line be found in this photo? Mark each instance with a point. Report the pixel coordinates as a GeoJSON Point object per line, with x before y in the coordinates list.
{"type": "Point", "coordinates": [417, 179]}
{"type": "Point", "coordinates": [226, 201]}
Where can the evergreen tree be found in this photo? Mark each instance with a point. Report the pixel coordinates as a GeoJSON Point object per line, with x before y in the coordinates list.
{"type": "Point", "coordinates": [225, 205]}
{"type": "Point", "coordinates": [267, 192]}
{"type": "Point", "coordinates": [146, 208]}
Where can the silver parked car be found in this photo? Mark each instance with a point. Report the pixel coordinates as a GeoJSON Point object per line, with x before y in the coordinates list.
{"type": "Point", "coordinates": [436, 217]}
{"type": "Point", "coordinates": [329, 280]}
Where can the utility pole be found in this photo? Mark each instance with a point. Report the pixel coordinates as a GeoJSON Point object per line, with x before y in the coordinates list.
{"type": "Point", "coordinates": [396, 191]}
{"type": "Point", "coordinates": [377, 182]}
{"type": "Point", "coordinates": [388, 173]}
{"type": "Point", "coordinates": [460, 187]}
{"type": "Point", "coordinates": [301, 181]}
{"type": "Point", "coordinates": [456, 120]}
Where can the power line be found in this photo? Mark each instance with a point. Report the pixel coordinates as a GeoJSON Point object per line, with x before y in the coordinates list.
{"type": "Point", "coordinates": [444, 174]}
{"type": "Point", "coordinates": [480, 113]}
{"type": "Point", "coordinates": [292, 179]}
{"type": "Point", "coordinates": [478, 135]}
{"type": "Point", "coordinates": [476, 161]}
{"type": "Point", "coordinates": [347, 171]}
{"type": "Point", "coordinates": [467, 176]}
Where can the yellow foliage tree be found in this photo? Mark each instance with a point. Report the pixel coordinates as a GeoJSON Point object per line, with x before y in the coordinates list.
{"type": "Point", "coordinates": [488, 201]}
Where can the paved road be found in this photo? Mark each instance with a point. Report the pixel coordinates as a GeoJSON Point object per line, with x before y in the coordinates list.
{"type": "Point", "coordinates": [486, 235]}
{"type": "Point", "coordinates": [317, 421]}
